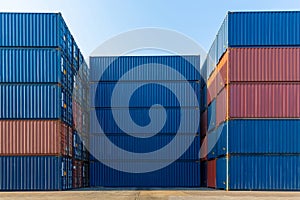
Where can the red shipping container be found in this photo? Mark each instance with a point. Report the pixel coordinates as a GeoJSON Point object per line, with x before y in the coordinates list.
{"type": "Point", "coordinates": [211, 173]}
{"type": "Point", "coordinates": [33, 137]}
{"type": "Point", "coordinates": [203, 124]}
{"type": "Point", "coordinates": [77, 116]}
{"type": "Point", "coordinates": [279, 64]}
{"type": "Point", "coordinates": [268, 100]}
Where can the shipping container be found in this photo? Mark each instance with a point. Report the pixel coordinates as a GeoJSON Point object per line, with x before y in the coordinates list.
{"type": "Point", "coordinates": [211, 173]}
{"type": "Point", "coordinates": [277, 136]}
{"type": "Point", "coordinates": [34, 173]}
{"type": "Point", "coordinates": [145, 68]}
{"type": "Point", "coordinates": [105, 120]}
{"type": "Point", "coordinates": [38, 30]}
{"type": "Point", "coordinates": [167, 94]}
{"type": "Point", "coordinates": [255, 29]}
{"type": "Point", "coordinates": [203, 99]}
{"type": "Point", "coordinates": [34, 137]}
{"type": "Point", "coordinates": [211, 88]}
{"type": "Point", "coordinates": [34, 65]}
{"type": "Point", "coordinates": [276, 64]}
{"type": "Point", "coordinates": [211, 116]}
{"type": "Point", "coordinates": [258, 100]}
{"type": "Point", "coordinates": [203, 149]}
{"type": "Point", "coordinates": [259, 172]}
{"type": "Point", "coordinates": [178, 174]}
{"type": "Point", "coordinates": [77, 145]}
{"type": "Point", "coordinates": [268, 100]}
{"type": "Point", "coordinates": [85, 174]}
{"type": "Point", "coordinates": [35, 101]}
{"type": "Point", "coordinates": [100, 148]}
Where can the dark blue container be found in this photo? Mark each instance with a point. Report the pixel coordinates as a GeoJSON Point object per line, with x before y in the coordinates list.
{"type": "Point", "coordinates": [211, 116]}
{"type": "Point", "coordinates": [99, 147]}
{"type": "Point", "coordinates": [35, 102]}
{"type": "Point", "coordinates": [36, 30]}
{"type": "Point", "coordinates": [203, 173]}
{"type": "Point", "coordinates": [103, 120]}
{"type": "Point", "coordinates": [178, 174]}
{"type": "Point", "coordinates": [253, 29]}
{"type": "Point", "coordinates": [146, 94]}
{"type": "Point", "coordinates": [38, 65]}
{"type": "Point", "coordinates": [259, 172]}
{"type": "Point", "coordinates": [273, 136]}
{"type": "Point", "coordinates": [113, 68]}
{"type": "Point", "coordinates": [35, 173]}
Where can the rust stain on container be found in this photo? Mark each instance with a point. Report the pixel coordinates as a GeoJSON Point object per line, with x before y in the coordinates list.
{"type": "Point", "coordinates": [33, 137]}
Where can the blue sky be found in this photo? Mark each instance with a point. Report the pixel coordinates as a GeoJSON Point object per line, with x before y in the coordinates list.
{"type": "Point", "coordinates": [94, 21]}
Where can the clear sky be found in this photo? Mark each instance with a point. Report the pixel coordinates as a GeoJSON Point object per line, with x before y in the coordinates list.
{"type": "Point", "coordinates": [94, 21]}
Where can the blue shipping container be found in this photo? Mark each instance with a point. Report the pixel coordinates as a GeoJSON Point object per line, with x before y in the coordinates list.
{"type": "Point", "coordinates": [178, 174]}
{"type": "Point", "coordinates": [146, 94]}
{"type": "Point", "coordinates": [113, 68]}
{"type": "Point", "coordinates": [100, 148]}
{"type": "Point", "coordinates": [37, 30]}
{"type": "Point", "coordinates": [252, 29]}
{"type": "Point", "coordinates": [35, 66]}
{"type": "Point", "coordinates": [35, 173]}
{"type": "Point", "coordinates": [259, 172]}
{"type": "Point", "coordinates": [104, 121]}
{"type": "Point", "coordinates": [274, 136]}
{"type": "Point", "coordinates": [35, 102]}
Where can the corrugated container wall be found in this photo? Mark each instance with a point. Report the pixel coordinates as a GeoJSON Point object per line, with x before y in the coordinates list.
{"type": "Point", "coordinates": [260, 172]}
{"type": "Point", "coordinates": [34, 137]}
{"type": "Point", "coordinates": [253, 29]}
{"type": "Point", "coordinates": [35, 173]}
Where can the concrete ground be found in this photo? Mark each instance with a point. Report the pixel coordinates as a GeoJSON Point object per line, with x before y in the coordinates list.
{"type": "Point", "coordinates": [151, 195]}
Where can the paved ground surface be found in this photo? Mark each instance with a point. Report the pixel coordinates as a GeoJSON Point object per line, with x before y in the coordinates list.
{"type": "Point", "coordinates": [151, 195]}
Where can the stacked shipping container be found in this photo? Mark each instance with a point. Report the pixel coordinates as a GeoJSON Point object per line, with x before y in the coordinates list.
{"type": "Point", "coordinates": [253, 102]}
{"type": "Point", "coordinates": [151, 87]}
{"type": "Point", "coordinates": [39, 61]}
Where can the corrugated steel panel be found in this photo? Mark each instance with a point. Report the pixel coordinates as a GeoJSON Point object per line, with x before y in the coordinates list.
{"type": "Point", "coordinates": [268, 100]}
{"type": "Point", "coordinates": [211, 173]}
{"type": "Point", "coordinates": [204, 145]}
{"type": "Point", "coordinates": [102, 120]}
{"type": "Point", "coordinates": [265, 172]}
{"type": "Point", "coordinates": [34, 173]}
{"type": "Point", "coordinates": [113, 68]}
{"type": "Point", "coordinates": [39, 65]}
{"type": "Point", "coordinates": [211, 115]}
{"type": "Point", "coordinates": [34, 137]}
{"type": "Point", "coordinates": [203, 123]}
{"type": "Point", "coordinates": [146, 94]}
{"type": "Point", "coordinates": [260, 137]}
{"type": "Point", "coordinates": [211, 88]}
{"type": "Point", "coordinates": [100, 149]}
{"type": "Point", "coordinates": [36, 30]}
{"type": "Point", "coordinates": [221, 170]}
{"type": "Point", "coordinates": [264, 29]}
{"type": "Point", "coordinates": [35, 102]}
{"type": "Point", "coordinates": [252, 29]}
{"type": "Point", "coordinates": [86, 174]}
{"type": "Point", "coordinates": [264, 64]}
{"type": "Point", "coordinates": [211, 144]}
{"type": "Point", "coordinates": [77, 145]}
{"type": "Point", "coordinates": [187, 175]}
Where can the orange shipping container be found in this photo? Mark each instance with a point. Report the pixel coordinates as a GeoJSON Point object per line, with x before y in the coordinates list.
{"type": "Point", "coordinates": [34, 137]}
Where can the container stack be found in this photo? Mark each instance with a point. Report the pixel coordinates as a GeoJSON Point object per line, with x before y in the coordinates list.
{"type": "Point", "coordinates": [153, 97]}
{"type": "Point", "coordinates": [253, 99]}
{"type": "Point", "coordinates": [39, 60]}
